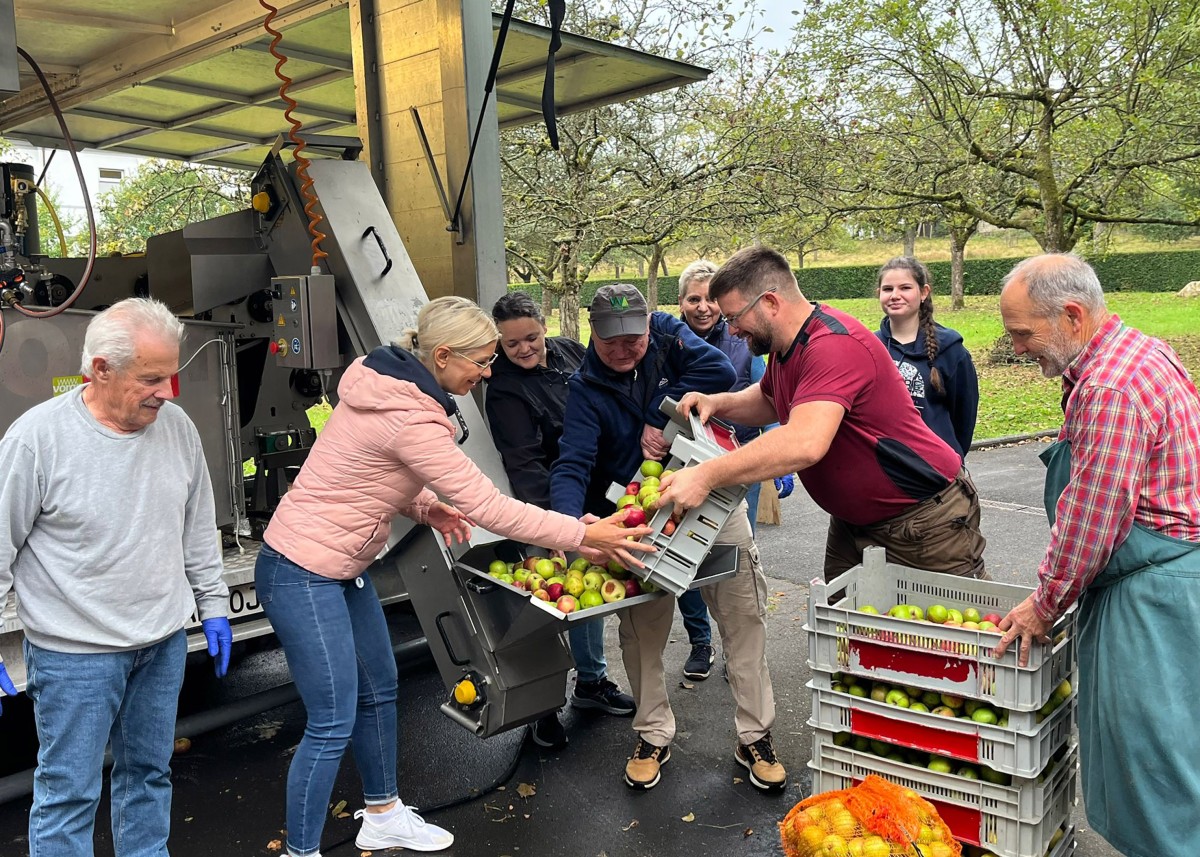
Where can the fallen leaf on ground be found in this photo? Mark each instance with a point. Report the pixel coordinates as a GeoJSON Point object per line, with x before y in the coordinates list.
{"type": "Point", "coordinates": [631, 825]}
{"type": "Point", "coordinates": [687, 685]}
{"type": "Point", "coordinates": [737, 780]}
{"type": "Point", "coordinates": [526, 790]}
{"type": "Point", "coordinates": [339, 807]}
{"type": "Point", "coordinates": [689, 817]}
{"type": "Point", "coordinates": [274, 845]}
{"type": "Point", "coordinates": [749, 831]}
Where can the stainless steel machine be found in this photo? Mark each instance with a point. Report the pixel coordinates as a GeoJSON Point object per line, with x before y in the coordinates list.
{"type": "Point", "coordinates": [271, 337]}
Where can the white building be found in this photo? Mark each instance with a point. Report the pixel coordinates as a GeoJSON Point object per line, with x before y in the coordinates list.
{"type": "Point", "coordinates": [102, 171]}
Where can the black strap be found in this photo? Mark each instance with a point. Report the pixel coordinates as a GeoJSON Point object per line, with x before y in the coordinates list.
{"type": "Point", "coordinates": [558, 11]}
{"type": "Point", "coordinates": [487, 92]}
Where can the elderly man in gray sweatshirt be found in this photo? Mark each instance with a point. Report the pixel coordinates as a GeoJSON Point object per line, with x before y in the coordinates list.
{"type": "Point", "coordinates": [108, 537]}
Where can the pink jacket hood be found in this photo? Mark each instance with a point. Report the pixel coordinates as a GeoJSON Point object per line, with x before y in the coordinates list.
{"type": "Point", "coordinates": [388, 449]}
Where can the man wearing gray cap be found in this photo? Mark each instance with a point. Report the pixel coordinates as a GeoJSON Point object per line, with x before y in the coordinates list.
{"type": "Point", "coordinates": [612, 423]}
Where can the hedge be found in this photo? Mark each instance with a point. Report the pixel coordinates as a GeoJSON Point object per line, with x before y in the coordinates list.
{"type": "Point", "coordinates": [1118, 272]}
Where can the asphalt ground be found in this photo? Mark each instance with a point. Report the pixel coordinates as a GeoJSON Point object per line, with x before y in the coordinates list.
{"type": "Point", "coordinates": [229, 788]}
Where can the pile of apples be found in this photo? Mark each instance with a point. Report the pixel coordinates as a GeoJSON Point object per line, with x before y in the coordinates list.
{"type": "Point", "coordinates": [941, 704]}
{"type": "Point", "coordinates": [570, 588]}
{"type": "Point", "coordinates": [830, 829]}
{"type": "Point", "coordinates": [969, 617]}
{"type": "Point", "coordinates": [641, 494]}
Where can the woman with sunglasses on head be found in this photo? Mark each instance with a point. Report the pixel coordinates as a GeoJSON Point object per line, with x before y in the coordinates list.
{"type": "Point", "coordinates": [932, 360]}
{"type": "Point", "coordinates": [388, 449]}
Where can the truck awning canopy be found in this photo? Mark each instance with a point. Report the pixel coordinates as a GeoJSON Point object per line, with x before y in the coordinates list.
{"type": "Point", "coordinates": [133, 78]}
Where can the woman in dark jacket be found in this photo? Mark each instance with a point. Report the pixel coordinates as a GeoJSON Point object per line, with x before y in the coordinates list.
{"type": "Point", "coordinates": [526, 397]}
{"type": "Point", "coordinates": [932, 359]}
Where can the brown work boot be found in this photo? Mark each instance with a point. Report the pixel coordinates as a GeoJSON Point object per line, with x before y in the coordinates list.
{"type": "Point", "coordinates": [759, 759]}
{"type": "Point", "coordinates": [643, 770]}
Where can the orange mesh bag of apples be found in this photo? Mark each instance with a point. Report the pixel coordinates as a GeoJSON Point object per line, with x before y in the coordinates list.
{"type": "Point", "coordinates": [876, 818]}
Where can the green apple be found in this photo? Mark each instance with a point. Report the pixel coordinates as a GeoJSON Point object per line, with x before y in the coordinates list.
{"type": "Point", "coordinates": [521, 574]}
{"type": "Point", "coordinates": [972, 615]}
{"type": "Point", "coordinates": [994, 776]}
{"type": "Point", "coordinates": [506, 578]}
{"type": "Point", "coordinates": [900, 611]}
{"type": "Point", "coordinates": [918, 706]}
{"type": "Point", "coordinates": [651, 468]}
{"type": "Point", "coordinates": [593, 581]}
{"type": "Point", "coordinates": [626, 500]}
{"type": "Point", "coordinates": [897, 698]}
{"type": "Point", "coordinates": [940, 764]}
{"type": "Point", "coordinates": [867, 608]}
{"type": "Point", "coordinates": [983, 714]}
{"type": "Point", "coordinates": [953, 617]}
{"type": "Point", "coordinates": [931, 698]}
{"type": "Point", "coordinates": [968, 772]}
{"type": "Point", "coordinates": [545, 568]}
{"type": "Point", "coordinates": [937, 614]}
{"type": "Point", "coordinates": [579, 564]}
{"type": "Point", "coordinates": [574, 585]}
{"type": "Point", "coordinates": [857, 690]}
{"type": "Point", "coordinates": [841, 739]}
{"type": "Point", "coordinates": [590, 598]}
{"type": "Point", "coordinates": [861, 744]}
{"type": "Point", "coordinates": [952, 701]}
{"type": "Point", "coordinates": [915, 613]}
{"type": "Point", "coordinates": [497, 566]}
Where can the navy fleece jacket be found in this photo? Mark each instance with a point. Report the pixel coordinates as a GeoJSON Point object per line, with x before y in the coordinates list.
{"type": "Point", "coordinates": [606, 412]}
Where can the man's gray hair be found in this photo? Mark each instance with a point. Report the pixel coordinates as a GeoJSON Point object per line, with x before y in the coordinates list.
{"type": "Point", "coordinates": [701, 269]}
{"type": "Point", "coordinates": [1055, 278]}
{"type": "Point", "coordinates": [113, 334]}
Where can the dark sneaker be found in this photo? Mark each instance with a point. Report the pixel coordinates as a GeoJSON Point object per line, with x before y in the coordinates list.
{"type": "Point", "coordinates": [603, 696]}
{"type": "Point", "coordinates": [759, 759]}
{"type": "Point", "coordinates": [700, 661]}
{"type": "Point", "coordinates": [548, 732]}
{"type": "Point", "coordinates": [644, 768]}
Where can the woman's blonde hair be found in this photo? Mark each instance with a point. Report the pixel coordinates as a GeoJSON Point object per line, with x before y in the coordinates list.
{"type": "Point", "coordinates": [457, 323]}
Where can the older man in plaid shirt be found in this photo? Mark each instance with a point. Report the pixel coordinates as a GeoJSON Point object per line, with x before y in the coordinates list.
{"type": "Point", "coordinates": [1123, 498]}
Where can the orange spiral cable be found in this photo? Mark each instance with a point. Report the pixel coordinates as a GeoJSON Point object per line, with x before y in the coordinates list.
{"type": "Point", "coordinates": [306, 182]}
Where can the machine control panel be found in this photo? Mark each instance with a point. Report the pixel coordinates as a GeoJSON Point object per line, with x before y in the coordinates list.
{"type": "Point", "coordinates": [304, 329]}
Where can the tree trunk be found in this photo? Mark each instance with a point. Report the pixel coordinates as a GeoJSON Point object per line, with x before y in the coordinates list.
{"type": "Point", "coordinates": [616, 270]}
{"type": "Point", "coordinates": [652, 278]}
{"type": "Point", "coordinates": [568, 311]}
{"type": "Point", "coordinates": [547, 301]}
{"type": "Point", "coordinates": [641, 266]}
{"type": "Point", "coordinates": [910, 240]}
{"type": "Point", "coordinates": [958, 245]}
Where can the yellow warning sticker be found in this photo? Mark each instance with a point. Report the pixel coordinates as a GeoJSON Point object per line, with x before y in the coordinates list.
{"type": "Point", "coordinates": [281, 322]}
{"type": "Point", "coordinates": [65, 383]}
{"type": "Point", "coordinates": [292, 294]}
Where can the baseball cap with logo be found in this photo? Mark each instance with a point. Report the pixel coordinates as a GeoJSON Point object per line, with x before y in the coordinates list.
{"type": "Point", "coordinates": [619, 310]}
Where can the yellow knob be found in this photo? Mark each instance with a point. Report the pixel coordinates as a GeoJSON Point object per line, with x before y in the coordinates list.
{"type": "Point", "coordinates": [261, 202]}
{"type": "Point", "coordinates": [464, 692]}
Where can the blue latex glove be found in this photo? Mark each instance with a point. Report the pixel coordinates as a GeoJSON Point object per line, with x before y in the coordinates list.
{"type": "Point", "coordinates": [220, 642]}
{"type": "Point", "coordinates": [785, 485]}
{"type": "Point", "coordinates": [7, 688]}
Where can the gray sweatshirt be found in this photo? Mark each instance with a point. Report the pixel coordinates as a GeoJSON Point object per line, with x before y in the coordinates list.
{"type": "Point", "coordinates": [108, 539]}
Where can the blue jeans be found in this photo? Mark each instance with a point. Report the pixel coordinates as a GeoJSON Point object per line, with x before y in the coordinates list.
{"type": "Point", "coordinates": [81, 702]}
{"type": "Point", "coordinates": [695, 618]}
{"type": "Point", "coordinates": [752, 506]}
{"type": "Point", "coordinates": [587, 647]}
{"type": "Point", "coordinates": [338, 649]}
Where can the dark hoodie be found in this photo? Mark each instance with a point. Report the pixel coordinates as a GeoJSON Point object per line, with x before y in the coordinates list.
{"type": "Point", "coordinates": [950, 414]}
{"type": "Point", "coordinates": [525, 410]}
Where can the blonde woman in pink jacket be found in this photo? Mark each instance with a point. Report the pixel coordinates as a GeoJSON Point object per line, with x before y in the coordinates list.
{"type": "Point", "coordinates": [388, 449]}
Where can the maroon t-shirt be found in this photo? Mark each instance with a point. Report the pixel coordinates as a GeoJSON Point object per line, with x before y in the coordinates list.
{"type": "Point", "coordinates": [883, 459]}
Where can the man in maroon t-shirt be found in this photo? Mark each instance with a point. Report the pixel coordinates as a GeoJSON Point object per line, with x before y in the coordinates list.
{"type": "Point", "coordinates": [848, 428]}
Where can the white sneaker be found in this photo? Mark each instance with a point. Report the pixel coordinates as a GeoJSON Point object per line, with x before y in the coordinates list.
{"type": "Point", "coordinates": [400, 827]}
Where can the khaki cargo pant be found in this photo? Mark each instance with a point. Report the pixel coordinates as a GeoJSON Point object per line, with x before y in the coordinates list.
{"type": "Point", "coordinates": [739, 606]}
{"type": "Point", "coordinates": [939, 534]}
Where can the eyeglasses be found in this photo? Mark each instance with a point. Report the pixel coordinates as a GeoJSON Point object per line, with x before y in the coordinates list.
{"type": "Point", "coordinates": [732, 318]}
{"type": "Point", "coordinates": [486, 365]}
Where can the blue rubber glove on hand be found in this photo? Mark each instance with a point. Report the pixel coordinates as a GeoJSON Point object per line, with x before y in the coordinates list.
{"type": "Point", "coordinates": [220, 642]}
{"type": "Point", "coordinates": [785, 485]}
{"type": "Point", "coordinates": [7, 688]}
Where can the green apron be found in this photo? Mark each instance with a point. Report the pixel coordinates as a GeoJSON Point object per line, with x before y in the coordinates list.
{"type": "Point", "coordinates": [1139, 687]}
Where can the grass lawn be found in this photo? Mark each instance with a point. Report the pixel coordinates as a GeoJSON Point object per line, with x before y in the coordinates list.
{"type": "Point", "coordinates": [1017, 399]}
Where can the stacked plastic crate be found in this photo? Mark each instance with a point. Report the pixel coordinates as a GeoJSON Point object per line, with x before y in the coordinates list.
{"type": "Point", "coordinates": [1003, 780]}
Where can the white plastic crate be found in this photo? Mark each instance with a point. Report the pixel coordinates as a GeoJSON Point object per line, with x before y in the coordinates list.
{"type": "Point", "coordinates": [1022, 753]}
{"type": "Point", "coordinates": [1009, 821]}
{"type": "Point", "coordinates": [680, 554]}
{"type": "Point", "coordinates": [926, 655]}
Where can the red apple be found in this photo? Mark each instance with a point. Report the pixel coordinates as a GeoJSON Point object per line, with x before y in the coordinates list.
{"type": "Point", "coordinates": [668, 528]}
{"type": "Point", "coordinates": [541, 594]}
{"type": "Point", "coordinates": [994, 618]}
{"type": "Point", "coordinates": [555, 591]}
{"type": "Point", "coordinates": [632, 587]}
{"type": "Point", "coordinates": [633, 488]}
{"type": "Point", "coordinates": [566, 604]}
{"type": "Point", "coordinates": [634, 517]}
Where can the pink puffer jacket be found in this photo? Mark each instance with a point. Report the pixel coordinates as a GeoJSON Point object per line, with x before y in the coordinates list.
{"type": "Point", "coordinates": [386, 445]}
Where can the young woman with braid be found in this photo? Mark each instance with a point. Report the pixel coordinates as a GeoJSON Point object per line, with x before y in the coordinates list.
{"type": "Point", "coordinates": [932, 359]}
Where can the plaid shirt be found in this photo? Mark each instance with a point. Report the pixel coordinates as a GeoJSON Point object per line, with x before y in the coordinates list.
{"type": "Point", "coordinates": [1132, 416]}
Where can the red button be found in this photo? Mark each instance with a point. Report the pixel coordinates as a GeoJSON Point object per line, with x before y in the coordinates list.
{"type": "Point", "coordinates": [273, 347]}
